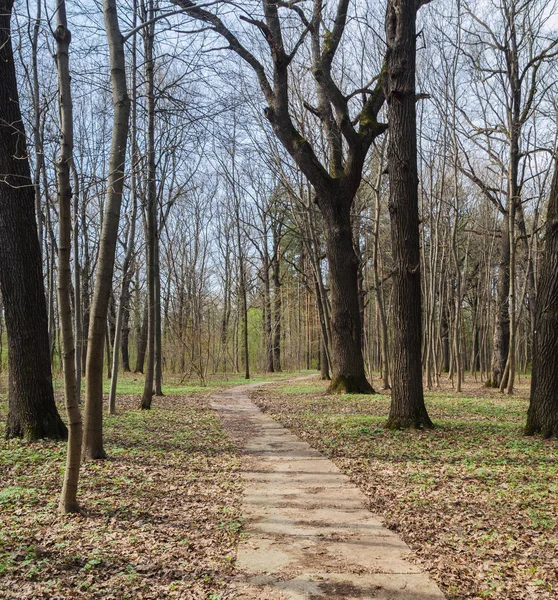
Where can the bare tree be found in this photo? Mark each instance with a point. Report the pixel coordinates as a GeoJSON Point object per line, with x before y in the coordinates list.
{"type": "Point", "coordinates": [407, 400]}
{"type": "Point", "coordinates": [335, 182]}
{"type": "Point", "coordinates": [93, 413]}
{"type": "Point", "coordinates": [68, 498]}
{"type": "Point", "coordinates": [32, 413]}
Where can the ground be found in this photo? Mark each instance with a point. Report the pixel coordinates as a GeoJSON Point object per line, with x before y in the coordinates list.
{"type": "Point", "coordinates": [475, 499]}
{"type": "Point", "coordinates": [161, 515]}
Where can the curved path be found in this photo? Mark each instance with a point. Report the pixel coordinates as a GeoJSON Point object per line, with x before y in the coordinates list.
{"type": "Point", "coordinates": [308, 534]}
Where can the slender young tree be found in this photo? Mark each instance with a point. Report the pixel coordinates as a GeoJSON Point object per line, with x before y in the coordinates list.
{"type": "Point", "coordinates": [407, 400]}
{"type": "Point", "coordinates": [32, 413]}
{"type": "Point", "coordinates": [68, 498]}
{"type": "Point", "coordinates": [93, 413]}
{"type": "Point", "coordinates": [150, 207]}
{"type": "Point", "coordinates": [127, 267]}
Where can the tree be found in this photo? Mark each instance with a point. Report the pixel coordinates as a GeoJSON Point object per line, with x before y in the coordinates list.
{"type": "Point", "coordinates": [509, 51]}
{"type": "Point", "coordinates": [32, 412]}
{"type": "Point", "coordinates": [542, 416]}
{"type": "Point", "coordinates": [150, 209]}
{"type": "Point", "coordinates": [68, 498]}
{"type": "Point", "coordinates": [93, 413]}
{"type": "Point", "coordinates": [336, 179]}
{"type": "Point", "coordinates": [407, 400]}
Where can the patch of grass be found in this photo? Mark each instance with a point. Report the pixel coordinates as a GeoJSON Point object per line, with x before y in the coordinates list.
{"type": "Point", "coordinates": [130, 384]}
{"type": "Point", "coordinates": [475, 499]}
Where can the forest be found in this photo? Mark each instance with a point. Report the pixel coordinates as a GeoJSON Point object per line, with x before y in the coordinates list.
{"type": "Point", "coordinates": [339, 216]}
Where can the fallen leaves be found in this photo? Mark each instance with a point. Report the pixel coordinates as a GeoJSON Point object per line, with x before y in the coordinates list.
{"type": "Point", "coordinates": [476, 501]}
{"type": "Point", "coordinates": [161, 516]}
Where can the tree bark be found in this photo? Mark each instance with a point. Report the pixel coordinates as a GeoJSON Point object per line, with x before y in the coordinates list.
{"type": "Point", "coordinates": [68, 497]}
{"type": "Point", "coordinates": [32, 413]}
{"type": "Point", "coordinates": [502, 327]}
{"type": "Point", "coordinates": [141, 339]}
{"type": "Point", "coordinates": [93, 413]}
{"type": "Point", "coordinates": [407, 400]}
{"type": "Point", "coordinates": [347, 364]}
{"type": "Point", "coordinates": [151, 213]}
{"type": "Point", "coordinates": [542, 416]}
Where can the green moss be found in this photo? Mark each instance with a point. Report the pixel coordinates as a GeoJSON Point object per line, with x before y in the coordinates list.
{"type": "Point", "coordinates": [350, 385]}
{"type": "Point", "coordinates": [328, 40]}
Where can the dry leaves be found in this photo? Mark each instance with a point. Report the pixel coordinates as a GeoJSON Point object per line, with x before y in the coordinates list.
{"type": "Point", "coordinates": [475, 499]}
{"type": "Point", "coordinates": [161, 515]}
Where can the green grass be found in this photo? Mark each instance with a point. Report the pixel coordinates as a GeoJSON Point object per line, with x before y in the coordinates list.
{"type": "Point", "coordinates": [133, 383]}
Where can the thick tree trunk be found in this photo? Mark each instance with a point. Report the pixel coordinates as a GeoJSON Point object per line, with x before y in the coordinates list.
{"type": "Point", "coordinates": [93, 413]}
{"type": "Point", "coordinates": [347, 364]}
{"type": "Point", "coordinates": [32, 413]}
{"type": "Point", "coordinates": [379, 293]}
{"type": "Point", "coordinates": [68, 497]}
{"type": "Point", "coordinates": [542, 416]}
{"type": "Point", "coordinates": [407, 400]}
{"type": "Point", "coordinates": [38, 140]}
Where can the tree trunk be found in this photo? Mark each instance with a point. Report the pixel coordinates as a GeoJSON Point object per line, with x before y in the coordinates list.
{"type": "Point", "coordinates": [141, 341]}
{"type": "Point", "coordinates": [78, 318]}
{"type": "Point", "coordinates": [85, 287]}
{"type": "Point", "coordinates": [347, 364]}
{"type": "Point", "coordinates": [93, 413]}
{"type": "Point", "coordinates": [68, 497]}
{"type": "Point", "coordinates": [151, 212]}
{"type": "Point", "coordinates": [125, 345]}
{"type": "Point", "coordinates": [158, 389]}
{"type": "Point", "coordinates": [32, 413]}
{"type": "Point", "coordinates": [244, 305]}
{"type": "Point", "coordinates": [267, 316]}
{"type": "Point", "coordinates": [502, 327]}
{"type": "Point", "coordinates": [277, 309]}
{"type": "Point", "coordinates": [324, 363]}
{"type": "Point", "coordinates": [407, 401]}
{"type": "Point", "coordinates": [379, 293]}
{"type": "Point", "coordinates": [542, 416]}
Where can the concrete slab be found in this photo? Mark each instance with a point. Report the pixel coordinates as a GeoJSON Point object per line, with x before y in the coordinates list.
{"type": "Point", "coordinates": [308, 533]}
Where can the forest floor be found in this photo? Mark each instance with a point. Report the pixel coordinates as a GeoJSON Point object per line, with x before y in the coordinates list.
{"type": "Point", "coordinates": [160, 517]}
{"type": "Point", "coordinates": [476, 500]}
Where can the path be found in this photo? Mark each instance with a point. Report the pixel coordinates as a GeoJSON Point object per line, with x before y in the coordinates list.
{"type": "Point", "coordinates": [308, 534]}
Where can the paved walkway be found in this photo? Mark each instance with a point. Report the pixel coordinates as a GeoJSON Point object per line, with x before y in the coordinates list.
{"type": "Point", "coordinates": [308, 534]}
